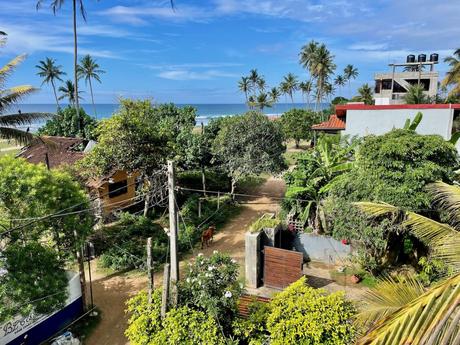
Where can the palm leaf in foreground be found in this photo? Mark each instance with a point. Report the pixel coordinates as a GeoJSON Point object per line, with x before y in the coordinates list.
{"type": "Point", "coordinates": [432, 318]}
{"type": "Point", "coordinates": [448, 198]}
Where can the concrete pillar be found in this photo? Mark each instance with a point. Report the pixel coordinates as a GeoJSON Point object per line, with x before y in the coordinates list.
{"type": "Point", "coordinates": [252, 259]}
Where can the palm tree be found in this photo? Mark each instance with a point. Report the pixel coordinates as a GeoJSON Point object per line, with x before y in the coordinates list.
{"type": "Point", "coordinates": [289, 85]}
{"type": "Point", "coordinates": [261, 84]}
{"type": "Point", "coordinates": [350, 72]}
{"type": "Point", "coordinates": [306, 87]}
{"type": "Point", "coordinates": [252, 101]}
{"type": "Point", "coordinates": [416, 95]}
{"type": "Point", "coordinates": [244, 85]}
{"type": "Point", "coordinates": [68, 91]}
{"type": "Point", "coordinates": [274, 95]}
{"type": "Point", "coordinates": [340, 81]}
{"type": "Point", "coordinates": [404, 312]}
{"type": "Point", "coordinates": [9, 97]}
{"type": "Point", "coordinates": [263, 101]}
{"type": "Point", "coordinates": [365, 94]}
{"type": "Point", "coordinates": [453, 75]}
{"type": "Point", "coordinates": [322, 66]}
{"type": "Point", "coordinates": [254, 79]}
{"type": "Point", "coordinates": [307, 54]}
{"type": "Point", "coordinates": [89, 69]}
{"type": "Point", "coordinates": [328, 91]}
{"type": "Point", "coordinates": [49, 71]}
{"type": "Point", "coordinates": [56, 6]}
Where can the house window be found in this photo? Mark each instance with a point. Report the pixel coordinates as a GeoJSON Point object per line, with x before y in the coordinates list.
{"type": "Point", "coordinates": [118, 188]}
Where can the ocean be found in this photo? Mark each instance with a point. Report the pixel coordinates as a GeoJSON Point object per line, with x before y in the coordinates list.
{"type": "Point", "coordinates": [205, 112]}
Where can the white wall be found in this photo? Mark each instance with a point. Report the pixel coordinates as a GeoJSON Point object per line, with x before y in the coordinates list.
{"type": "Point", "coordinates": [365, 122]}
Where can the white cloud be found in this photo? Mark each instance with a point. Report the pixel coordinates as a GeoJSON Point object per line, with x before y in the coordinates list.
{"type": "Point", "coordinates": [193, 65]}
{"type": "Point", "coordinates": [192, 75]}
{"type": "Point", "coordinates": [368, 46]}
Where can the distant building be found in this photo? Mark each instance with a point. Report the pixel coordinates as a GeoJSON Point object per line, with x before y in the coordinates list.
{"type": "Point", "coordinates": [391, 87]}
{"type": "Point", "coordinates": [361, 119]}
{"type": "Point", "coordinates": [114, 191]}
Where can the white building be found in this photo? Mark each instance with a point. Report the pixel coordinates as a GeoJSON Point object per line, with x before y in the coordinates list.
{"type": "Point", "coordinates": [361, 119]}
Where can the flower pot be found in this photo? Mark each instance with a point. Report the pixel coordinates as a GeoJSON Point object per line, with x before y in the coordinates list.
{"type": "Point", "coordinates": [355, 279]}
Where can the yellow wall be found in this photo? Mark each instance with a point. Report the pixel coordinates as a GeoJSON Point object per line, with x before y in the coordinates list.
{"type": "Point", "coordinates": [119, 201]}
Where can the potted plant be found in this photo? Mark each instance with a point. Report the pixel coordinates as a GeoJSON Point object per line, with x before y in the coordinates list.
{"type": "Point", "coordinates": [355, 278]}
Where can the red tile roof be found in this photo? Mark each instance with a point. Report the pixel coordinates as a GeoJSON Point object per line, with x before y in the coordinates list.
{"type": "Point", "coordinates": [334, 123]}
{"type": "Point", "coordinates": [61, 150]}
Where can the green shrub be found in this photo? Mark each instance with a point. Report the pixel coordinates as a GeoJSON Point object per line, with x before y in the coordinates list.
{"type": "Point", "coordinates": [215, 180]}
{"type": "Point", "coordinates": [122, 245]}
{"type": "Point", "coordinates": [253, 329]}
{"type": "Point", "coordinates": [211, 285]}
{"type": "Point", "coordinates": [304, 315]}
{"type": "Point", "coordinates": [262, 223]}
{"type": "Point", "coordinates": [432, 270]}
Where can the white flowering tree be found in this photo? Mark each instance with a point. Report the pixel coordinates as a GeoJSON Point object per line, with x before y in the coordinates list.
{"type": "Point", "coordinates": [211, 284]}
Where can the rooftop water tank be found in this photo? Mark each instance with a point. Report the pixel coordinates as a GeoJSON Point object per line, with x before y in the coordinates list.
{"type": "Point", "coordinates": [421, 58]}
{"type": "Point", "coordinates": [410, 58]}
{"type": "Point", "coordinates": [434, 57]}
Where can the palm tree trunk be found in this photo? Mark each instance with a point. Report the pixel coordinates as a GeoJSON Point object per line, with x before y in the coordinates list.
{"type": "Point", "coordinates": [308, 100]}
{"type": "Point", "coordinates": [75, 58]}
{"type": "Point", "coordinates": [92, 97]}
{"type": "Point", "coordinates": [247, 100]}
{"type": "Point", "coordinates": [292, 98]}
{"type": "Point", "coordinates": [203, 180]}
{"type": "Point", "coordinates": [55, 94]}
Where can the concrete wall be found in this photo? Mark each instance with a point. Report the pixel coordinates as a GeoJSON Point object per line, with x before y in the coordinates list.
{"type": "Point", "coordinates": [365, 122]}
{"type": "Point", "coordinates": [252, 259]}
{"type": "Point", "coordinates": [321, 248]}
{"type": "Point", "coordinates": [121, 200]}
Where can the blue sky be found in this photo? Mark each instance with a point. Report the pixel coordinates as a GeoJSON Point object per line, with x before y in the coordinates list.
{"type": "Point", "coordinates": [197, 53]}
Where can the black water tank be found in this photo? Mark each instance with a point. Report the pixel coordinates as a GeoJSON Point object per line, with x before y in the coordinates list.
{"type": "Point", "coordinates": [410, 58]}
{"type": "Point", "coordinates": [434, 57]}
{"type": "Point", "coordinates": [421, 58]}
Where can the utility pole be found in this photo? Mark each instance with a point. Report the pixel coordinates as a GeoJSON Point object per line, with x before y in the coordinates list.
{"type": "Point", "coordinates": [150, 268]}
{"type": "Point", "coordinates": [81, 268]}
{"type": "Point", "coordinates": [173, 232]}
{"type": "Point", "coordinates": [165, 293]}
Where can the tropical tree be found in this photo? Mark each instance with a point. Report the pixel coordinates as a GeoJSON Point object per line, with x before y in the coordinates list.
{"type": "Point", "coordinates": [350, 72]}
{"type": "Point", "coordinates": [244, 85]}
{"type": "Point", "coordinates": [274, 95]}
{"type": "Point", "coordinates": [306, 88]}
{"type": "Point", "coordinates": [322, 67]}
{"type": "Point", "coordinates": [68, 91]}
{"type": "Point", "coordinates": [50, 72]}
{"type": "Point", "coordinates": [251, 101]}
{"type": "Point", "coordinates": [340, 81]}
{"type": "Point", "coordinates": [263, 101]}
{"type": "Point", "coordinates": [365, 94]}
{"type": "Point", "coordinates": [261, 84]}
{"type": "Point", "coordinates": [307, 54]}
{"type": "Point", "coordinates": [296, 124]}
{"type": "Point", "coordinates": [9, 97]}
{"type": "Point", "coordinates": [89, 69]}
{"type": "Point", "coordinates": [453, 75]}
{"type": "Point", "coordinates": [254, 78]}
{"type": "Point", "coordinates": [56, 6]}
{"type": "Point", "coordinates": [416, 95]}
{"type": "Point", "coordinates": [289, 85]}
{"type": "Point", "coordinates": [402, 310]}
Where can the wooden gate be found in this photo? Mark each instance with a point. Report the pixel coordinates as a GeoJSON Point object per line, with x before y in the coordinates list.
{"type": "Point", "coordinates": [281, 267]}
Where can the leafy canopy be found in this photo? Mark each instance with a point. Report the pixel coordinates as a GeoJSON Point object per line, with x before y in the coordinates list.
{"type": "Point", "coordinates": [297, 124]}
{"type": "Point", "coordinates": [67, 124]}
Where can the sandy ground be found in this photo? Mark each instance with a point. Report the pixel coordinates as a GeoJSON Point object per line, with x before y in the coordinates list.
{"type": "Point", "coordinates": [111, 292]}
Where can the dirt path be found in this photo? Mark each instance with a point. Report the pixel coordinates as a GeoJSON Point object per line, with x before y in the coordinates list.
{"type": "Point", "coordinates": [111, 292]}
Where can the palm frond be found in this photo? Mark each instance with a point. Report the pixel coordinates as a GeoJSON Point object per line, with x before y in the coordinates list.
{"type": "Point", "coordinates": [22, 118]}
{"type": "Point", "coordinates": [429, 319]}
{"type": "Point", "coordinates": [20, 136]}
{"type": "Point", "coordinates": [448, 198]}
{"type": "Point", "coordinates": [388, 296]}
{"type": "Point", "coordinates": [376, 209]}
{"type": "Point", "coordinates": [6, 70]}
{"type": "Point", "coordinates": [13, 95]}
{"type": "Point", "coordinates": [442, 239]}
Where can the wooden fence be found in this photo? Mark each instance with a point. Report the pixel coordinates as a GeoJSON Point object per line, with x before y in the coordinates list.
{"type": "Point", "coordinates": [281, 267]}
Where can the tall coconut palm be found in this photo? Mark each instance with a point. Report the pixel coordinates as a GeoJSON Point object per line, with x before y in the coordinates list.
{"type": "Point", "coordinates": [453, 75]}
{"type": "Point", "coordinates": [9, 97]}
{"type": "Point", "coordinates": [404, 312]}
{"type": "Point", "coordinates": [50, 72]}
{"type": "Point", "coordinates": [307, 54]}
{"type": "Point", "coordinates": [244, 85]}
{"type": "Point", "coordinates": [68, 92]}
{"type": "Point", "coordinates": [254, 79]}
{"type": "Point", "coordinates": [261, 84]}
{"type": "Point", "coordinates": [340, 81]}
{"type": "Point", "coordinates": [365, 94]}
{"type": "Point", "coordinates": [252, 102]}
{"type": "Point", "coordinates": [322, 67]}
{"type": "Point", "coordinates": [263, 101]}
{"type": "Point", "coordinates": [289, 85]}
{"type": "Point", "coordinates": [306, 88]}
{"type": "Point", "coordinates": [350, 72]}
{"type": "Point", "coordinates": [89, 69]}
{"type": "Point", "coordinates": [56, 6]}
{"type": "Point", "coordinates": [274, 95]}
